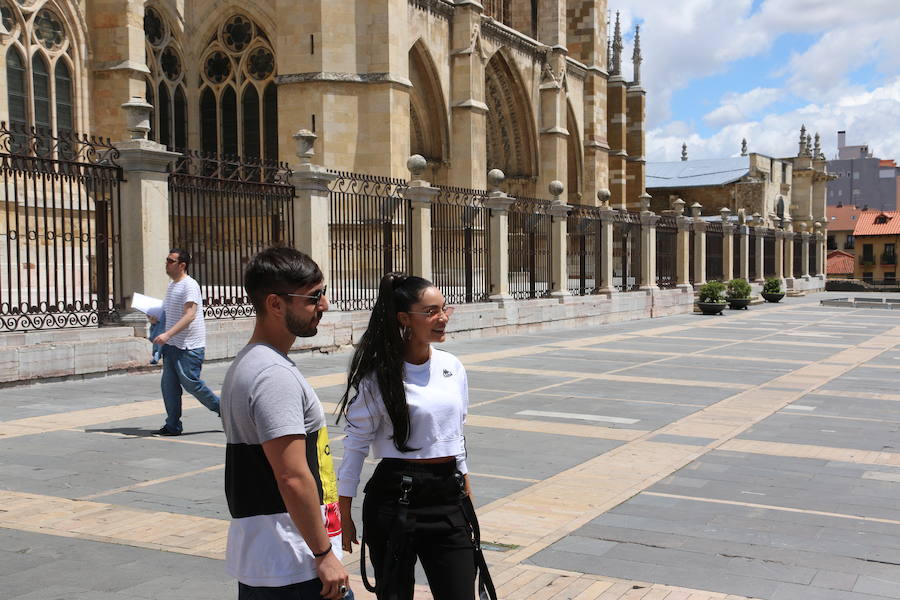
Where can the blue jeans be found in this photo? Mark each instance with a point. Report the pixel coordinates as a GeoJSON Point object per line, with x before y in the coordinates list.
{"type": "Point", "coordinates": [306, 590]}
{"type": "Point", "coordinates": [181, 368]}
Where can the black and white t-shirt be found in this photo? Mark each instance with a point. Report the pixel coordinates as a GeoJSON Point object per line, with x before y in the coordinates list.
{"type": "Point", "coordinates": [265, 397]}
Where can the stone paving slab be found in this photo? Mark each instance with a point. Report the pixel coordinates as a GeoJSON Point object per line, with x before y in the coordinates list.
{"type": "Point", "coordinates": [650, 508]}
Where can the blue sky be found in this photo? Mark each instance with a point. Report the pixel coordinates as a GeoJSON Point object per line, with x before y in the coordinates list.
{"type": "Point", "coordinates": [720, 70]}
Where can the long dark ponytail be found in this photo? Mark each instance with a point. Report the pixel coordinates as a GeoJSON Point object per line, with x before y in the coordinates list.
{"type": "Point", "coordinates": [381, 350]}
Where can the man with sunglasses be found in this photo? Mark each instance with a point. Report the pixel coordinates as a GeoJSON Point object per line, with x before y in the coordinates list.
{"type": "Point", "coordinates": [284, 541]}
{"type": "Point", "coordinates": [183, 343]}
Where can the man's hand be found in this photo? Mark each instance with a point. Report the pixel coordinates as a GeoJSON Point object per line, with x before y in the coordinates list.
{"type": "Point", "coordinates": [348, 527]}
{"type": "Point", "coordinates": [333, 575]}
{"type": "Point", "coordinates": [162, 338]}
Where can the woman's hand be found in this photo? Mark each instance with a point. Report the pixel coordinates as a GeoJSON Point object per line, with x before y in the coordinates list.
{"type": "Point", "coordinates": [348, 527]}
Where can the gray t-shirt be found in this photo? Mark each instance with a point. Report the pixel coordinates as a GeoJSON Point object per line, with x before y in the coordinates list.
{"type": "Point", "coordinates": [265, 397]}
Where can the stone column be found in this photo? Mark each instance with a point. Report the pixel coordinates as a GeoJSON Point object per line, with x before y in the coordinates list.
{"type": "Point", "coordinates": [683, 245]}
{"type": "Point", "coordinates": [820, 250]}
{"type": "Point", "coordinates": [559, 268]}
{"type": "Point", "coordinates": [760, 252]}
{"type": "Point", "coordinates": [144, 210]}
{"type": "Point", "coordinates": [788, 252]}
{"type": "Point", "coordinates": [779, 255]}
{"type": "Point", "coordinates": [648, 245]}
{"type": "Point", "coordinates": [805, 255]}
{"type": "Point", "coordinates": [699, 227]}
{"type": "Point", "coordinates": [727, 245]}
{"type": "Point", "coordinates": [468, 122]}
{"type": "Point", "coordinates": [498, 202]}
{"type": "Point", "coordinates": [421, 195]}
{"type": "Point", "coordinates": [607, 216]}
{"type": "Point", "coordinates": [312, 235]}
{"type": "Point", "coordinates": [553, 133]}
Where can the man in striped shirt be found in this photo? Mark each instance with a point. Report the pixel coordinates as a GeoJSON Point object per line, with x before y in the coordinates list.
{"type": "Point", "coordinates": [183, 343]}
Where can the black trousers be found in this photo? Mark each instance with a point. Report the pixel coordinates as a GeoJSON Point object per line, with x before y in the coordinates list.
{"type": "Point", "coordinates": [435, 531]}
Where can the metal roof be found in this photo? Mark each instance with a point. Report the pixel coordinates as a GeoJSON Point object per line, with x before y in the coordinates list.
{"type": "Point", "coordinates": [696, 173]}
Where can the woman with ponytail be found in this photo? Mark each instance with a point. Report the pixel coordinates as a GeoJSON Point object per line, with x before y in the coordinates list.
{"type": "Point", "coordinates": [407, 402]}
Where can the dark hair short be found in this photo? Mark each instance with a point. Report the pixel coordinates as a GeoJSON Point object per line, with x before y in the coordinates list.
{"type": "Point", "coordinates": [183, 256]}
{"type": "Point", "coordinates": [278, 270]}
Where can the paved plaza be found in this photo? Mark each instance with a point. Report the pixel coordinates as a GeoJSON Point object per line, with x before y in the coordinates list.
{"type": "Point", "coordinates": [751, 455]}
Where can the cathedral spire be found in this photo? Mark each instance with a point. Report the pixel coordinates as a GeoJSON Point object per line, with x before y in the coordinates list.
{"type": "Point", "coordinates": [817, 148]}
{"type": "Point", "coordinates": [609, 59]}
{"type": "Point", "coordinates": [802, 150]}
{"type": "Point", "coordinates": [744, 147]}
{"type": "Point", "coordinates": [684, 151]}
{"type": "Point", "coordinates": [617, 47]}
{"type": "Point", "coordinates": [636, 58]}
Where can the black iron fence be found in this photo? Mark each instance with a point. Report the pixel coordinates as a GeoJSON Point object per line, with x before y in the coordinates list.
{"type": "Point", "coordinates": [798, 255]}
{"type": "Point", "coordinates": [769, 253]}
{"type": "Point", "coordinates": [223, 210]}
{"type": "Point", "coordinates": [715, 239]}
{"type": "Point", "coordinates": [583, 249]}
{"type": "Point", "coordinates": [736, 253]}
{"type": "Point", "coordinates": [812, 255]}
{"type": "Point", "coordinates": [692, 262]}
{"type": "Point", "coordinates": [627, 251]}
{"type": "Point", "coordinates": [460, 244]}
{"type": "Point", "coordinates": [751, 254]}
{"type": "Point", "coordinates": [60, 241]}
{"type": "Point", "coordinates": [666, 252]}
{"type": "Point", "coordinates": [530, 248]}
{"type": "Point", "coordinates": [370, 227]}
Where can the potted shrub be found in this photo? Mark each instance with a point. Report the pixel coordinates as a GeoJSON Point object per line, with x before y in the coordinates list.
{"type": "Point", "coordinates": [712, 298]}
{"type": "Point", "coordinates": [738, 294]}
{"type": "Point", "coordinates": [772, 291]}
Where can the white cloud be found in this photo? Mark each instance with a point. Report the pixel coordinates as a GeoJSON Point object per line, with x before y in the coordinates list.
{"type": "Point", "coordinates": [735, 108]}
{"type": "Point", "coordinates": [868, 117]}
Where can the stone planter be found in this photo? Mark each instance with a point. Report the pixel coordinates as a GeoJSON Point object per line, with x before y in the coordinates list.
{"type": "Point", "coordinates": [772, 296]}
{"type": "Point", "coordinates": [739, 303]}
{"type": "Point", "coordinates": [711, 308]}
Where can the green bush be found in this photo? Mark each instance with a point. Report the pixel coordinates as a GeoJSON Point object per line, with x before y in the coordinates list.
{"type": "Point", "coordinates": [713, 291]}
{"type": "Point", "coordinates": [772, 286]}
{"type": "Point", "coordinates": [738, 289]}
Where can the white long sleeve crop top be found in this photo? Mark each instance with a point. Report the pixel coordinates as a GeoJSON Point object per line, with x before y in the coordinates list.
{"type": "Point", "coordinates": [437, 394]}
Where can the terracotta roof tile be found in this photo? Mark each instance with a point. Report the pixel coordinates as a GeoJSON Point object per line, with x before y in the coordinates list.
{"type": "Point", "coordinates": [840, 262]}
{"type": "Point", "coordinates": [842, 218]}
{"type": "Point", "coordinates": [868, 223]}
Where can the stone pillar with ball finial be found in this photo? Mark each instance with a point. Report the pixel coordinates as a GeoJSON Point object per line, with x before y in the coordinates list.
{"type": "Point", "coordinates": [605, 232]}
{"type": "Point", "coordinates": [648, 244]}
{"type": "Point", "coordinates": [311, 203]}
{"type": "Point", "coordinates": [788, 251]}
{"type": "Point", "coordinates": [421, 195]}
{"type": "Point", "coordinates": [144, 210]}
{"type": "Point", "coordinates": [559, 213]}
{"type": "Point", "coordinates": [498, 202]}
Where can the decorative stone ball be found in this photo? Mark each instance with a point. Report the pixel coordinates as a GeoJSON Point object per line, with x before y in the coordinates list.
{"type": "Point", "coordinates": [556, 188]}
{"type": "Point", "coordinates": [416, 164]}
{"type": "Point", "coordinates": [604, 195]}
{"type": "Point", "coordinates": [495, 178]}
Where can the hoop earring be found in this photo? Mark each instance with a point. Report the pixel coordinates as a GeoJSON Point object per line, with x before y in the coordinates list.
{"type": "Point", "coordinates": [405, 333]}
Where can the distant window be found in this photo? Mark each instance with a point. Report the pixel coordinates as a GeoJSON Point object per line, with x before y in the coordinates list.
{"type": "Point", "coordinates": [855, 174]}
{"type": "Point", "coordinates": [881, 219]}
{"type": "Point", "coordinates": [852, 217]}
{"type": "Point", "coordinates": [856, 192]}
{"type": "Point", "coordinates": [886, 173]}
{"type": "Point", "coordinates": [890, 276]}
{"type": "Point", "coordinates": [867, 277]}
{"type": "Point", "coordinates": [840, 192]}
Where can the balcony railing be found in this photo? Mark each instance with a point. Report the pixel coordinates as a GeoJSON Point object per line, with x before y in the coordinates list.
{"type": "Point", "coordinates": [889, 259]}
{"type": "Point", "coordinates": [867, 261]}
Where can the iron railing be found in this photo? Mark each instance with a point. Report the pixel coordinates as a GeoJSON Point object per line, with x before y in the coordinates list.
{"type": "Point", "coordinates": [666, 252]}
{"type": "Point", "coordinates": [751, 255]}
{"type": "Point", "coordinates": [798, 255]}
{"type": "Point", "coordinates": [715, 239]}
{"type": "Point", "coordinates": [370, 226]}
{"type": "Point", "coordinates": [60, 241]}
{"type": "Point", "coordinates": [812, 255]}
{"type": "Point", "coordinates": [692, 263]}
{"type": "Point", "coordinates": [224, 210]}
{"type": "Point", "coordinates": [736, 254]}
{"type": "Point", "coordinates": [769, 253]}
{"type": "Point", "coordinates": [583, 249]}
{"type": "Point", "coordinates": [460, 244]}
{"type": "Point", "coordinates": [530, 248]}
{"type": "Point", "coordinates": [627, 251]}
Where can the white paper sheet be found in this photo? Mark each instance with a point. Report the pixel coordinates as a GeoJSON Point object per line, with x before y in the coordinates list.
{"type": "Point", "coordinates": [147, 305]}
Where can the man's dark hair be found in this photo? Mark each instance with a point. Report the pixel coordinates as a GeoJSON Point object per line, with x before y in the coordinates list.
{"type": "Point", "coordinates": [183, 256]}
{"type": "Point", "coordinates": [278, 270]}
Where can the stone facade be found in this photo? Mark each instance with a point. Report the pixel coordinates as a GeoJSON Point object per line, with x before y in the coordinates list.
{"type": "Point", "coordinates": [522, 86]}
